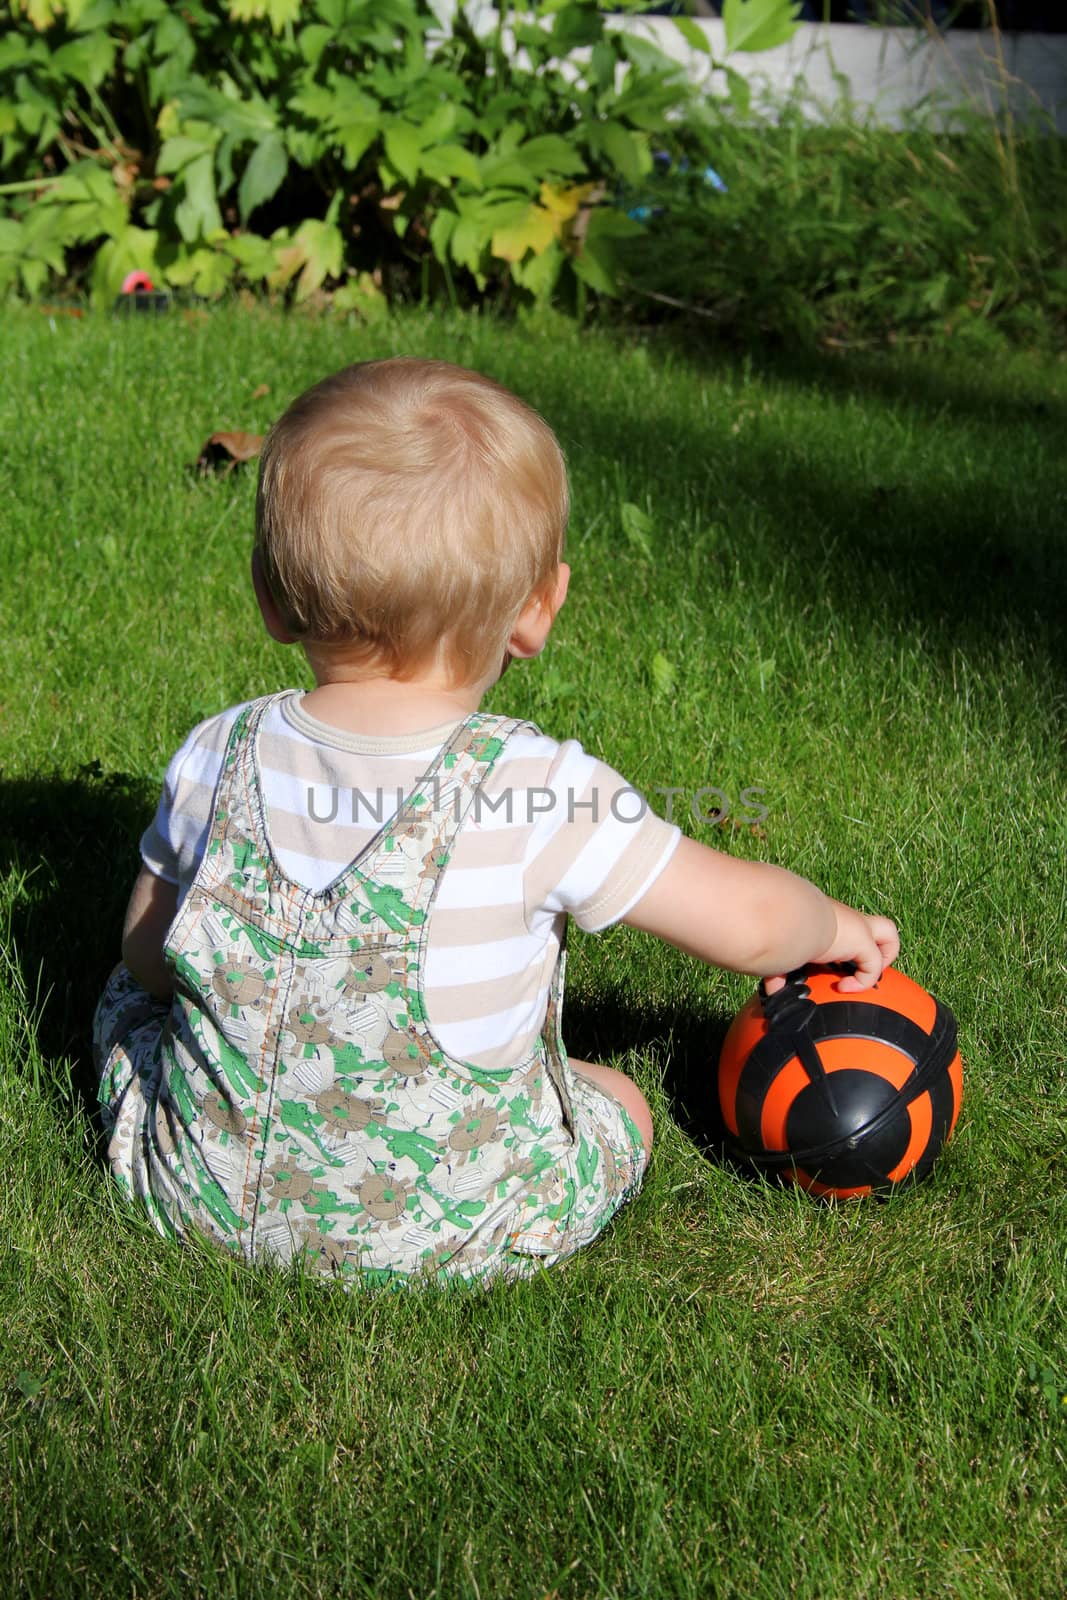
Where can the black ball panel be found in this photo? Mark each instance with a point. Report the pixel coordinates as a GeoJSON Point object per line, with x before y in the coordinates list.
{"type": "Point", "coordinates": [869, 1159]}
{"type": "Point", "coordinates": [838, 1107]}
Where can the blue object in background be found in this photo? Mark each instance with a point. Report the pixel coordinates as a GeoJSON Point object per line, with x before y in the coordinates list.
{"type": "Point", "coordinates": [644, 210]}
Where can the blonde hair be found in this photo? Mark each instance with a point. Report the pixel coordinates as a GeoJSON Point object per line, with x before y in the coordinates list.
{"type": "Point", "coordinates": [408, 510]}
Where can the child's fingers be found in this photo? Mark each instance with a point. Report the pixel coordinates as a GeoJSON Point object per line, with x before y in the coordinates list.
{"type": "Point", "coordinates": [886, 938]}
{"type": "Point", "coordinates": [876, 953]}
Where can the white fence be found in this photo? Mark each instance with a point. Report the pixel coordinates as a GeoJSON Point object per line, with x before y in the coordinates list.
{"type": "Point", "coordinates": [886, 71]}
{"type": "Point", "coordinates": [891, 71]}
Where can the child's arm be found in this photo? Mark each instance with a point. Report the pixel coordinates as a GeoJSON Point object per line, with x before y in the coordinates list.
{"type": "Point", "coordinates": [751, 917]}
{"type": "Point", "coordinates": [152, 908]}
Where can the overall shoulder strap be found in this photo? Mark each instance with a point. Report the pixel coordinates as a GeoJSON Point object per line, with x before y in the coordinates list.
{"type": "Point", "coordinates": [237, 808]}
{"type": "Point", "coordinates": [427, 823]}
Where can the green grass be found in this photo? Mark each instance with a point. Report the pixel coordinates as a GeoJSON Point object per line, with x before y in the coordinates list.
{"type": "Point", "coordinates": [854, 573]}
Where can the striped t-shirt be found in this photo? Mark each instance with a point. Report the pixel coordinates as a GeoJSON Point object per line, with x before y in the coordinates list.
{"type": "Point", "coordinates": [555, 833]}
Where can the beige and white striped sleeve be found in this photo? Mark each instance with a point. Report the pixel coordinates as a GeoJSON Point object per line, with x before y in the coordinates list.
{"type": "Point", "coordinates": [596, 850]}
{"type": "Point", "coordinates": [174, 842]}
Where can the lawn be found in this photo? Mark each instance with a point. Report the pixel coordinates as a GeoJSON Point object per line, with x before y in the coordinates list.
{"type": "Point", "coordinates": [840, 581]}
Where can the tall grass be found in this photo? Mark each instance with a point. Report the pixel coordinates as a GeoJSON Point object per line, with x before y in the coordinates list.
{"type": "Point", "coordinates": [834, 229]}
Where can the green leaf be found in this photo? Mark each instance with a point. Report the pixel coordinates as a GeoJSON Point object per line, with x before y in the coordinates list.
{"type": "Point", "coordinates": [15, 49]}
{"type": "Point", "coordinates": [403, 149]}
{"type": "Point", "coordinates": [759, 24]}
{"type": "Point", "coordinates": [34, 276]}
{"type": "Point", "coordinates": [534, 228]}
{"type": "Point", "coordinates": [540, 274]}
{"type": "Point", "coordinates": [452, 161]}
{"type": "Point", "coordinates": [508, 172]}
{"type": "Point", "coordinates": [277, 12]}
{"type": "Point", "coordinates": [312, 41]}
{"type": "Point", "coordinates": [87, 59]}
{"type": "Point", "coordinates": [549, 155]}
{"type": "Point", "coordinates": [255, 256]}
{"type": "Point", "coordinates": [207, 271]}
{"type": "Point", "coordinates": [363, 296]}
{"type": "Point", "coordinates": [627, 152]}
{"type": "Point", "coordinates": [441, 230]}
{"type": "Point", "coordinates": [602, 62]}
{"type": "Point", "coordinates": [198, 213]}
{"type": "Point", "coordinates": [696, 38]}
{"type": "Point", "coordinates": [596, 266]}
{"type": "Point", "coordinates": [574, 27]}
{"type": "Point", "coordinates": [437, 124]}
{"type": "Point", "coordinates": [663, 676]}
{"type": "Point", "coordinates": [180, 151]}
{"type": "Point", "coordinates": [263, 176]}
{"type": "Point", "coordinates": [172, 37]}
{"type": "Point", "coordinates": [636, 525]}
{"type": "Point", "coordinates": [324, 252]}
{"type": "Point", "coordinates": [606, 222]}
{"type": "Point", "coordinates": [740, 91]}
{"type": "Point", "coordinates": [469, 239]}
{"type": "Point", "coordinates": [355, 139]}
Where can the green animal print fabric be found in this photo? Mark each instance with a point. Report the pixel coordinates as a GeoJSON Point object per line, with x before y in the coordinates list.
{"type": "Point", "coordinates": [292, 1103]}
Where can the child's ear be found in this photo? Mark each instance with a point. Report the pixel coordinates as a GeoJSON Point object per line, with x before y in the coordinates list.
{"type": "Point", "coordinates": [534, 622]}
{"type": "Point", "coordinates": [272, 617]}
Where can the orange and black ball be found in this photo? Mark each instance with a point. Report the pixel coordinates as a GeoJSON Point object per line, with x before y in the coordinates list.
{"type": "Point", "coordinates": [847, 1094]}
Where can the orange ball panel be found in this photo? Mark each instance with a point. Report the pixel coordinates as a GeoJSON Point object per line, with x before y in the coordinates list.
{"type": "Point", "coordinates": [745, 1032]}
{"type": "Point", "coordinates": [777, 1101]}
{"type": "Point", "coordinates": [812, 1185]}
{"type": "Point", "coordinates": [867, 1055]}
{"type": "Point", "coordinates": [955, 1073]}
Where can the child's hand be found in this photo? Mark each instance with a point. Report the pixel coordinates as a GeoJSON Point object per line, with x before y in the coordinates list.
{"type": "Point", "coordinates": [870, 943]}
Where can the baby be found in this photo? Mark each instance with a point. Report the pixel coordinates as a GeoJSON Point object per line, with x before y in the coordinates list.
{"type": "Point", "coordinates": [334, 1037]}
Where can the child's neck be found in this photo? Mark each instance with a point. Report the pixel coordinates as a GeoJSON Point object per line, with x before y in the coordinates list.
{"type": "Point", "coordinates": [379, 705]}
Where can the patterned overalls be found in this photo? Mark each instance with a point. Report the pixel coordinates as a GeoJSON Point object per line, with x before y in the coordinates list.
{"type": "Point", "coordinates": [291, 1101]}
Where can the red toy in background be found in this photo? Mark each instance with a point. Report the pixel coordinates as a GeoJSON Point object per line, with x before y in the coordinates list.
{"type": "Point", "coordinates": [139, 293]}
{"type": "Point", "coordinates": [847, 1094]}
{"type": "Point", "coordinates": [137, 283]}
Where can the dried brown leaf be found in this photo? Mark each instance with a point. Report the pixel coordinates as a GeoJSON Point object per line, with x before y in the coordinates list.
{"type": "Point", "coordinates": [227, 450]}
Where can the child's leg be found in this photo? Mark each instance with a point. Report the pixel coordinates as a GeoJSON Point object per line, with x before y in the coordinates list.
{"type": "Point", "coordinates": [623, 1089]}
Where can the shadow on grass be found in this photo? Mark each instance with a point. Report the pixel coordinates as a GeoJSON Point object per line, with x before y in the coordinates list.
{"type": "Point", "coordinates": [973, 389]}
{"type": "Point", "coordinates": [68, 858]}
{"type": "Point", "coordinates": [971, 559]}
{"type": "Point", "coordinates": [596, 1027]}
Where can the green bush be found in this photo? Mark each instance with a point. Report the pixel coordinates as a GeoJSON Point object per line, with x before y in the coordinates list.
{"type": "Point", "coordinates": [358, 144]}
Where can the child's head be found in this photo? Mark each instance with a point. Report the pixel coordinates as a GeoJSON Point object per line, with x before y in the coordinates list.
{"type": "Point", "coordinates": [407, 512]}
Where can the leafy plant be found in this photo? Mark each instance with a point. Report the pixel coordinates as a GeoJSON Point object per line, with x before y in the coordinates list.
{"type": "Point", "coordinates": [309, 143]}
